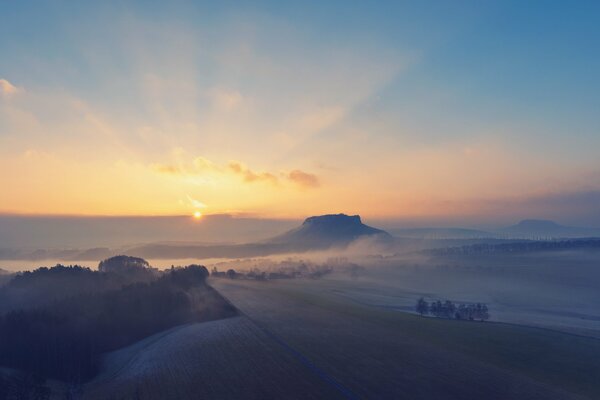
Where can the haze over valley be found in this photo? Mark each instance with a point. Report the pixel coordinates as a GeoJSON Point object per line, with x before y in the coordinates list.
{"type": "Point", "coordinates": [299, 200]}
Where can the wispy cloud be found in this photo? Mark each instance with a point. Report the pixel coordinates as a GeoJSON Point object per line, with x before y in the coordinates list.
{"type": "Point", "coordinates": [167, 169]}
{"type": "Point", "coordinates": [252, 176]}
{"type": "Point", "coordinates": [195, 203]}
{"type": "Point", "coordinates": [7, 88]}
{"type": "Point", "coordinates": [303, 179]}
{"type": "Point", "coordinates": [201, 166]}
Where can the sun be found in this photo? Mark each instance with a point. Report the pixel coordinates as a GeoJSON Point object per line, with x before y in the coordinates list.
{"type": "Point", "coordinates": [197, 215]}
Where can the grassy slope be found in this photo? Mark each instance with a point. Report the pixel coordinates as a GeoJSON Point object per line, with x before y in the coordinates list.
{"type": "Point", "coordinates": [224, 359]}
{"type": "Point", "coordinates": [506, 357]}
{"type": "Point", "coordinates": [554, 357]}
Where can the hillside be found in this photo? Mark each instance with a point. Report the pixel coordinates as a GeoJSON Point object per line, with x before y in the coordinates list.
{"type": "Point", "coordinates": [231, 358]}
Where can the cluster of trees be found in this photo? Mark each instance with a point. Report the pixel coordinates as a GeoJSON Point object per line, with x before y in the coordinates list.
{"type": "Point", "coordinates": [123, 263]}
{"type": "Point", "coordinates": [447, 309]}
{"type": "Point", "coordinates": [65, 338]}
{"type": "Point", "coordinates": [257, 274]}
{"type": "Point", "coordinates": [520, 246]}
{"type": "Point", "coordinates": [263, 269]}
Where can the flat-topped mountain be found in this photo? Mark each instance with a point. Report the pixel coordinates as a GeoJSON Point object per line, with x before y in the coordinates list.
{"type": "Point", "coordinates": [329, 230]}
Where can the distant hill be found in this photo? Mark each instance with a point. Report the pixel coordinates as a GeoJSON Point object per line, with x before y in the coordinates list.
{"type": "Point", "coordinates": [329, 230]}
{"type": "Point", "coordinates": [441, 233]}
{"type": "Point", "coordinates": [531, 228]}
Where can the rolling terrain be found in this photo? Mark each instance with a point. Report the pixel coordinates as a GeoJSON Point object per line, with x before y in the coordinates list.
{"type": "Point", "coordinates": [381, 353]}
{"type": "Point", "coordinates": [231, 358]}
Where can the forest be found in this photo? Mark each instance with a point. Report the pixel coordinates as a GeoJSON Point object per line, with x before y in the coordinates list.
{"type": "Point", "coordinates": [64, 338]}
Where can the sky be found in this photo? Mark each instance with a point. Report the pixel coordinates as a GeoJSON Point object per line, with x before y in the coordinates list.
{"type": "Point", "coordinates": [451, 111]}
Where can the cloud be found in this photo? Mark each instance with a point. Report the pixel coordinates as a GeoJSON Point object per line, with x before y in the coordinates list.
{"type": "Point", "coordinates": [251, 176]}
{"type": "Point", "coordinates": [303, 179]}
{"type": "Point", "coordinates": [201, 166]}
{"type": "Point", "coordinates": [297, 177]}
{"type": "Point", "coordinates": [7, 88]}
{"type": "Point", "coordinates": [167, 169]}
{"type": "Point", "coordinates": [196, 203]}
{"type": "Point", "coordinates": [198, 166]}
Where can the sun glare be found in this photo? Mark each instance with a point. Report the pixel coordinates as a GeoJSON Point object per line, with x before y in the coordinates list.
{"type": "Point", "coordinates": [197, 215]}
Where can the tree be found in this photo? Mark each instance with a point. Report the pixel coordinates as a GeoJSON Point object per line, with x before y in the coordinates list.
{"type": "Point", "coordinates": [472, 311]}
{"type": "Point", "coordinates": [461, 312]}
{"type": "Point", "coordinates": [435, 308]}
{"type": "Point", "coordinates": [422, 306]}
{"type": "Point", "coordinates": [483, 312]}
{"type": "Point", "coordinates": [231, 274]}
{"type": "Point", "coordinates": [449, 309]}
{"type": "Point", "coordinates": [123, 264]}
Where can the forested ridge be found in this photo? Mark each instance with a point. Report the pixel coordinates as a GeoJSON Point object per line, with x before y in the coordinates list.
{"type": "Point", "coordinates": [64, 338]}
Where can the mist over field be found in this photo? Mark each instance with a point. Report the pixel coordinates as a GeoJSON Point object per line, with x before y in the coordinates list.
{"type": "Point", "coordinates": [299, 200]}
{"type": "Point", "coordinates": [329, 279]}
{"type": "Point", "coordinates": [554, 288]}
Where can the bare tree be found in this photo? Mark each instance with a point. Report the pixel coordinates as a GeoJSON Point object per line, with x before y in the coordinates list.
{"type": "Point", "coordinates": [449, 309]}
{"type": "Point", "coordinates": [422, 306]}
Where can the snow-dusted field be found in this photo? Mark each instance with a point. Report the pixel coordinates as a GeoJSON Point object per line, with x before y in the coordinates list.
{"type": "Point", "coordinates": [225, 359]}
{"type": "Point", "coordinates": [378, 352]}
{"type": "Point", "coordinates": [552, 290]}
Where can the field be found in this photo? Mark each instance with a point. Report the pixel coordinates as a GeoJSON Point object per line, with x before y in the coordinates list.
{"type": "Point", "coordinates": [557, 290]}
{"type": "Point", "coordinates": [374, 352]}
{"type": "Point", "coordinates": [354, 336]}
{"type": "Point", "coordinates": [226, 359]}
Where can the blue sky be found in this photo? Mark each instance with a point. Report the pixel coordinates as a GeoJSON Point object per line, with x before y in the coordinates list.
{"type": "Point", "coordinates": [455, 107]}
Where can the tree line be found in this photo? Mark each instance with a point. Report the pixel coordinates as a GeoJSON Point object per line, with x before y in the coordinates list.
{"type": "Point", "coordinates": [447, 309]}
{"type": "Point", "coordinates": [519, 246]}
{"type": "Point", "coordinates": [290, 273]}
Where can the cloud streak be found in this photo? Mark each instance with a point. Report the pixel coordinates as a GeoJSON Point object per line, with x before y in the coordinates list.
{"type": "Point", "coordinates": [201, 166]}
{"type": "Point", "coordinates": [252, 176]}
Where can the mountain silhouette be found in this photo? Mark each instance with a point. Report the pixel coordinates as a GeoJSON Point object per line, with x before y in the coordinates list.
{"type": "Point", "coordinates": [542, 227]}
{"type": "Point", "coordinates": [329, 230]}
{"type": "Point", "coordinates": [315, 233]}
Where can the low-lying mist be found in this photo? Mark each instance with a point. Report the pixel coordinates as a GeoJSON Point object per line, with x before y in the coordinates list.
{"type": "Point", "coordinates": [549, 289]}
